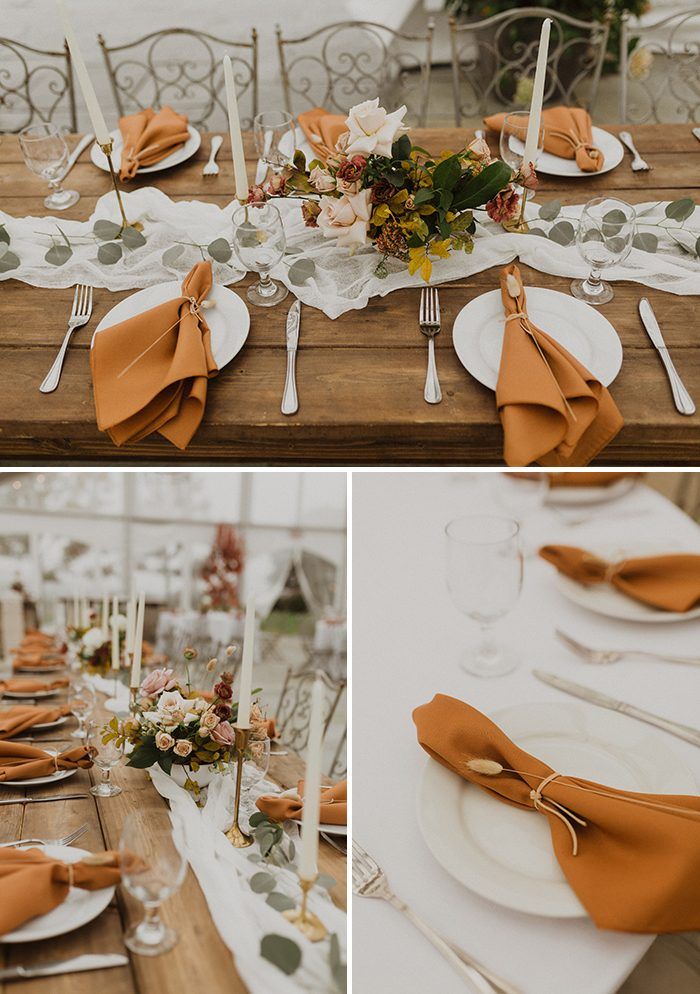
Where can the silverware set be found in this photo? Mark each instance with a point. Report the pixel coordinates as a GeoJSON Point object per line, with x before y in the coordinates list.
{"type": "Point", "coordinates": [429, 322]}
{"type": "Point", "coordinates": [638, 163]}
{"type": "Point", "coordinates": [75, 964]}
{"type": "Point", "coordinates": [44, 800]}
{"type": "Point", "coordinates": [65, 841]}
{"type": "Point", "coordinates": [80, 315]}
{"type": "Point", "coordinates": [603, 657]}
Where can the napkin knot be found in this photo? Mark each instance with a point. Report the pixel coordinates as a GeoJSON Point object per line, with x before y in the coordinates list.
{"type": "Point", "coordinates": [553, 807]}
{"type": "Point", "coordinates": [600, 570]}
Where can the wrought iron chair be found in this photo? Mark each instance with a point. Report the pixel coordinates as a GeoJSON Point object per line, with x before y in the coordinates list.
{"type": "Point", "coordinates": [182, 67]}
{"type": "Point", "coordinates": [493, 60]}
{"type": "Point", "coordinates": [294, 707]}
{"type": "Point", "coordinates": [347, 62]}
{"type": "Point", "coordinates": [660, 78]}
{"type": "Point", "coordinates": [339, 764]}
{"type": "Point", "coordinates": [31, 90]}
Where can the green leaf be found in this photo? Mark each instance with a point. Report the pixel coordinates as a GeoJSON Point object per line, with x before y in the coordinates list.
{"type": "Point", "coordinates": [646, 241]}
{"type": "Point", "coordinates": [133, 238]}
{"type": "Point", "coordinates": [422, 196]}
{"type": "Point", "coordinates": [446, 175]}
{"type": "Point", "coordinates": [171, 255]}
{"type": "Point", "coordinates": [537, 231]}
{"type": "Point", "coordinates": [219, 250]}
{"type": "Point", "coordinates": [293, 250]}
{"type": "Point", "coordinates": [279, 901]}
{"type": "Point", "coordinates": [109, 253]}
{"type": "Point", "coordinates": [680, 210]}
{"type": "Point", "coordinates": [613, 221]}
{"type": "Point", "coordinates": [262, 882]}
{"type": "Point", "coordinates": [64, 236]}
{"type": "Point", "coordinates": [165, 761]}
{"type": "Point", "coordinates": [282, 952]}
{"type": "Point", "coordinates": [144, 756]}
{"type": "Point", "coordinates": [106, 231]}
{"type": "Point", "coordinates": [8, 261]}
{"type": "Point", "coordinates": [338, 968]}
{"type": "Point", "coordinates": [299, 160]}
{"type": "Point", "coordinates": [475, 191]}
{"type": "Point", "coordinates": [301, 271]}
{"type": "Point", "coordinates": [257, 819]}
{"type": "Point", "coordinates": [4, 236]}
{"type": "Point", "coordinates": [563, 233]}
{"type": "Point", "coordinates": [550, 210]}
{"type": "Point", "coordinates": [326, 881]}
{"type": "Point", "coordinates": [697, 247]}
{"type": "Point", "coordinates": [58, 255]}
{"type": "Point", "coordinates": [401, 149]}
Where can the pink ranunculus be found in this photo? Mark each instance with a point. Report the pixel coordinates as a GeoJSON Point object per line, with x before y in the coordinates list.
{"type": "Point", "coordinates": [223, 733]}
{"type": "Point", "coordinates": [156, 681]}
{"type": "Point", "coordinates": [371, 130]}
{"type": "Point", "coordinates": [346, 218]}
{"type": "Point", "coordinates": [504, 206]}
{"type": "Point", "coordinates": [321, 180]}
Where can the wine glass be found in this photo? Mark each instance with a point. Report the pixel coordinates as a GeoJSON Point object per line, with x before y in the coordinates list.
{"type": "Point", "coordinates": [82, 704]}
{"type": "Point", "coordinates": [107, 756]}
{"type": "Point", "coordinates": [604, 238]}
{"type": "Point", "coordinates": [152, 871]}
{"type": "Point", "coordinates": [255, 765]}
{"type": "Point", "coordinates": [259, 242]}
{"type": "Point", "coordinates": [512, 141]}
{"type": "Point", "coordinates": [273, 131]}
{"type": "Point", "coordinates": [46, 154]}
{"type": "Point", "coordinates": [484, 568]}
{"type": "Point", "coordinates": [522, 495]}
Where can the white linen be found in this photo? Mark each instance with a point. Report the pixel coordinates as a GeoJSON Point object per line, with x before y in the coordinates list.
{"type": "Point", "coordinates": [406, 649]}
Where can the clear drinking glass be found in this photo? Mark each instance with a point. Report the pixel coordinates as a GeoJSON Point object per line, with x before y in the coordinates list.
{"type": "Point", "coordinates": [512, 141]}
{"type": "Point", "coordinates": [259, 242]}
{"type": "Point", "coordinates": [274, 138]}
{"type": "Point", "coordinates": [152, 871]}
{"type": "Point", "coordinates": [46, 154]}
{"type": "Point", "coordinates": [484, 567]}
{"type": "Point", "coordinates": [522, 495]}
{"type": "Point", "coordinates": [82, 705]}
{"type": "Point", "coordinates": [255, 765]}
{"type": "Point", "coordinates": [107, 756]}
{"type": "Point", "coordinates": [604, 238]}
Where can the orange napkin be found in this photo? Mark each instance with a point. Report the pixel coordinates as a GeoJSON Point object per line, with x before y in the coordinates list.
{"type": "Point", "coordinates": [670, 583]}
{"type": "Point", "coordinates": [553, 411]}
{"type": "Point", "coordinates": [334, 804]}
{"type": "Point", "coordinates": [632, 859]}
{"type": "Point", "coordinates": [587, 479]}
{"type": "Point", "coordinates": [30, 685]}
{"type": "Point", "coordinates": [322, 130]}
{"type": "Point", "coordinates": [23, 762]}
{"type": "Point", "coordinates": [39, 660]}
{"type": "Point", "coordinates": [567, 133]}
{"type": "Point", "coordinates": [148, 137]}
{"type": "Point", "coordinates": [33, 884]}
{"type": "Point", "coordinates": [23, 716]}
{"type": "Point", "coordinates": [150, 372]}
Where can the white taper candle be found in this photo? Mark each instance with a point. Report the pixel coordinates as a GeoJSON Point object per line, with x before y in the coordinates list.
{"type": "Point", "coordinates": [310, 818]}
{"type": "Point", "coordinates": [104, 620]}
{"type": "Point", "coordinates": [234, 125]}
{"type": "Point", "coordinates": [138, 642]}
{"type": "Point", "coordinates": [89, 95]}
{"type": "Point", "coordinates": [115, 633]}
{"type": "Point", "coordinates": [243, 719]}
{"type": "Point", "coordinates": [535, 117]}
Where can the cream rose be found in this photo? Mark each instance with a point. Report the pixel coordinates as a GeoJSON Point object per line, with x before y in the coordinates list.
{"type": "Point", "coordinates": [209, 720]}
{"type": "Point", "coordinates": [372, 130]}
{"type": "Point", "coordinates": [183, 748]}
{"type": "Point", "coordinates": [321, 180]}
{"type": "Point", "coordinates": [164, 741]}
{"type": "Point", "coordinates": [346, 218]}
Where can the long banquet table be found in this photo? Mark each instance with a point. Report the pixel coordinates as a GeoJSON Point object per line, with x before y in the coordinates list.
{"type": "Point", "coordinates": [360, 377]}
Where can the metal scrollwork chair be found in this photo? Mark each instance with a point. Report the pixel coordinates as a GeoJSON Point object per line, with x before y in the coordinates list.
{"type": "Point", "coordinates": [345, 63]}
{"type": "Point", "coordinates": [660, 78]}
{"type": "Point", "coordinates": [33, 90]}
{"type": "Point", "coordinates": [182, 67]}
{"type": "Point", "coordinates": [493, 61]}
{"type": "Point", "coordinates": [294, 707]}
{"type": "Point", "coordinates": [339, 764]}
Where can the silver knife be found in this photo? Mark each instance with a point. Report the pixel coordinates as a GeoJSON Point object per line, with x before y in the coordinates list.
{"type": "Point", "coordinates": [44, 800]}
{"type": "Point", "coordinates": [696, 132]}
{"type": "Point", "coordinates": [290, 401]}
{"type": "Point", "coordinates": [681, 397]}
{"type": "Point", "coordinates": [75, 154]}
{"type": "Point", "coordinates": [691, 735]}
{"type": "Point", "coordinates": [75, 964]}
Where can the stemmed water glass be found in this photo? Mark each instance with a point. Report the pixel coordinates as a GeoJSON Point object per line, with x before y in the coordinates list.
{"type": "Point", "coordinates": [107, 755]}
{"type": "Point", "coordinates": [604, 238]}
{"type": "Point", "coordinates": [274, 138]}
{"type": "Point", "coordinates": [255, 765]}
{"type": "Point", "coordinates": [46, 154]}
{"type": "Point", "coordinates": [484, 568]}
{"type": "Point", "coordinates": [512, 141]}
{"type": "Point", "coordinates": [522, 495]}
{"type": "Point", "coordinates": [259, 242]}
{"type": "Point", "coordinates": [152, 871]}
{"type": "Point", "coordinates": [82, 704]}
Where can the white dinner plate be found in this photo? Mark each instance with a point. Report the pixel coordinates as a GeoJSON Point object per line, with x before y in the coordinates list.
{"type": "Point", "coordinates": [228, 320]}
{"type": "Point", "coordinates": [39, 781]}
{"type": "Point", "coordinates": [79, 907]}
{"type": "Point", "coordinates": [37, 693]}
{"type": "Point", "coordinates": [505, 854]}
{"type": "Point", "coordinates": [49, 724]}
{"type": "Point", "coordinates": [591, 495]}
{"type": "Point", "coordinates": [328, 829]}
{"type": "Point", "coordinates": [478, 331]}
{"type": "Point", "coordinates": [554, 165]}
{"type": "Point", "coordinates": [39, 669]}
{"type": "Point", "coordinates": [174, 159]}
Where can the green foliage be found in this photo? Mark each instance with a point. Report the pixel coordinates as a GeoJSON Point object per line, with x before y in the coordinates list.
{"type": "Point", "coordinates": [475, 191]}
{"type": "Point", "coordinates": [282, 952]}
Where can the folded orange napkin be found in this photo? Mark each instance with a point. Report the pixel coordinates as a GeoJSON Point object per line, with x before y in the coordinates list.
{"type": "Point", "coordinates": [30, 685]}
{"type": "Point", "coordinates": [151, 372]}
{"type": "Point", "coordinates": [148, 137]}
{"type": "Point", "coordinates": [19, 718]}
{"type": "Point", "coordinates": [23, 762]}
{"type": "Point", "coordinates": [322, 130]}
{"type": "Point", "coordinates": [567, 133]}
{"type": "Point", "coordinates": [632, 859]}
{"type": "Point", "coordinates": [32, 883]}
{"type": "Point", "coordinates": [38, 660]}
{"type": "Point", "coordinates": [670, 583]}
{"type": "Point", "coordinates": [334, 804]}
{"type": "Point", "coordinates": [553, 411]}
{"type": "Point", "coordinates": [587, 479]}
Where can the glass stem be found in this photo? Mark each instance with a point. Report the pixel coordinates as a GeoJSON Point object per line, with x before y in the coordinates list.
{"type": "Point", "coordinates": [488, 652]}
{"type": "Point", "coordinates": [266, 288]}
{"type": "Point", "coordinates": [593, 284]}
{"type": "Point", "coordinates": [105, 777]}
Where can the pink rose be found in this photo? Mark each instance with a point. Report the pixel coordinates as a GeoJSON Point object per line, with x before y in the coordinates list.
{"type": "Point", "coordinates": [209, 720]}
{"type": "Point", "coordinates": [349, 175]}
{"type": "Point", "coordinates": [164, 741]}
{"type": "Point", "coordinates": [156, 681]}
{"type": "Point", "coordinates": [223, 733]}
{"type": "Point", "coordinates": [321, 180]}
{"type": "Point", "coordinates": [480, 150]}
{"type": "Point", "coordinates": [346, 218]}
{"type": "Point", "coordinates": [526, 176]}
{"type": "Point", "coordinates": [183, 747]}
{"type": "Point", "coordinates": [504, 206]}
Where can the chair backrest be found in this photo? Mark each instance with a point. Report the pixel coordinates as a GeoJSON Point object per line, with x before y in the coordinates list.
{"type": "Point", "coordinates": [182, 67]}
{"type": "Point", "coordinates": [294, 706]}
{"type": "Point", "coordinates": [35, 85]}
{"type": "Point", "coordinates": [339, 764]}
{"type": "Point", "coordinates": [493, 60]}
{"type": "Point", "coordinates": [345, 63]}
{"type": "Point", "coordinates": [660, 69]}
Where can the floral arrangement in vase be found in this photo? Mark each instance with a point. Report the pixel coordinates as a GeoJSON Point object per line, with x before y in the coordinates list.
{"type": "Point", "coordinates": [93, 647]}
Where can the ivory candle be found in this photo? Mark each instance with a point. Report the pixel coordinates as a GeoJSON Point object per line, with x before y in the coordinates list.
{"type": "Point", "coordinates": [234, 125]}
{"type": "Point", "coordinates": [78, 63]}
{"type": "Point", "coordinates": [104, 620]}
{"type": "Point", "coordinates": [84, 613]}
{"type": "Point", "coordinates": [130, 622]}
{"type": "Point", "coordinates": [312, 788]}
{"type": "Point", "coordinates": [138, 642]}
{"type": "Point", "coordinates": [243, 719]}
{"type": "Point", "coordinates": [535, 116]}
{"type": "Point", "coordinates": [115, 633]}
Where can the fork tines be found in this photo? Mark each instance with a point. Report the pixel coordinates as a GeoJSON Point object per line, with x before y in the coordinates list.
{"type": "Point", "coordinates": [429, 307]}
{"type": "Point", "coordinates": [82, 301]}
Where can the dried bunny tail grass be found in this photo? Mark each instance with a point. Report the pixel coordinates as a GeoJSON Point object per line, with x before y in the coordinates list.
{"type": "Point", "coordinates": [513, 286]}
{"type": "Point", "coordinates": [489, 767]}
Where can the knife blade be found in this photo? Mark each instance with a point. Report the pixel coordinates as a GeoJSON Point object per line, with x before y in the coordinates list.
{"type": "Point", "coordinates": [76, 964]}
{"type": "Point", "coordinates": [45, 800]}
{"type": "Point", "coordinates": [75, 154]}
{"type": "Point", "coordinates": [290, 401]}
{"type": "Point", "coordinates": [696, 132]}
{"type": "Point", "coordinates": [681, 397]}
{"type": "Point", "coordinates": [685, 732]}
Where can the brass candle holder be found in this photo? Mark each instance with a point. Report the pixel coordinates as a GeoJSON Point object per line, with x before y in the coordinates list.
{"type": "Point", "coordinates": [519, 225]}
{"type": "Point", "coordinates": [236, 836]}
{"type": "Point", "coordinates": [107, 149]}
{"type": "Point", "coordinates": [309, 924]}
{"type": "Point", "coordinates": [133, 691]}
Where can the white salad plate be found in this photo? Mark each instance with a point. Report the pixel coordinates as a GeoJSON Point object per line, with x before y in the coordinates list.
{"type": "Point", "coordinates": [39, 669]}
{"type": "Point", "coordinates": [49, 724]}
{"type": "Point", "coordinates": [37, 694]}
{"type": "Point", "coordinates": [328, 829]}
{"type": "Point", "coordinates": [554, 165]}
{"type": "Point", "coordinates": [591, 495]}
{"type": "Point", "coordinates": [174, 159]}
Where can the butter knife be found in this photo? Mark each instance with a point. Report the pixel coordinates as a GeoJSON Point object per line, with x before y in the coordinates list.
{"type": "Point", "coordinates": [290, 401]}
{"type": "Point", "coordinates": [76, 964]}
{"type": "Point", "coordinates": [696, 132]}
{"type": "Point", "coordinates": [75, 154]}
{"type": "Point", "coordinates": [681, 397]}
{"type": "Point", "coordinates": [44, 800]}
{"type": "Point", "coordinates": [691, 735]}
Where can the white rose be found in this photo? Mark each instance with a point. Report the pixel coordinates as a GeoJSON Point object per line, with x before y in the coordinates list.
{"type": "Point", "coordinates": [372, 130]}
{"type": "Point", "coordinates": [183, 747]}
{"type": "Point", "coordinates": [321, 180]}
{"type": "Point", "coordinates": [210, 720]}
{"type": "Point", "coordinates": [93, 639]}
{"type": "Point", "coordinates": [164, 741]}
{"type": "Point", "coordinates": [346, 218]}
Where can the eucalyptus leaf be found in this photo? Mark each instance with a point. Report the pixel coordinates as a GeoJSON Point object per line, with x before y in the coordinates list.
{"type": "Point", "coordinates": [645, 240]}
{"type": "Point", "coordinates": [133, 238]}
{"type": "Point", "coordinates": [279, 901]}
{"type": "Point", "coordinates": [257, 819]}
{"type": "Point", "coordinates": [617, 244]}
{"type": "Point", "coordinates": [338, 968]}
{"type": "Point", "coordinates": [219, 250]}
{"type": "Point", "coordinates": [171, 255]}
{"type": "Point", "coordinates": [106, 231]}
{"type": "Point", "coordinates": [550, 210]}
{"type": "Point", "coordinates": [537, 231]}
{"type": "Point", "coordinates": [293, 250]}
{"type": "Point", "coordinates": [282, 952]}
{"type": "Point", "coordinates": [58, 255]}
{"type": "Point", "coordinates": [4, 247]}
{"type": "Point", "coordinates": [64, 236]}
{"type": "Point", "coordinates": [255, 857]}
{"type": "Point", "coordinates": [4, 236]}
{"type": "Point", "coordinates": [613, 221]}
{"type": "Point", "coordinates": [326, 881]}
{"type": "Point", "coordinates": [563, 233]}
{"type": "Point", "coordinates": [109, 253]}
{"type": "Point", "coordinates": [8, 261]}
{"type": "Point", "coordinates": [292, 847]}
{"type": "Point", "coordinates": [680, 210]}
{"type": "Point", "coordinates": [262, 882]}
{"type": "Point", "coordinates": [301, 271]}
{"type": "Point", "coordinates": [697, 247]}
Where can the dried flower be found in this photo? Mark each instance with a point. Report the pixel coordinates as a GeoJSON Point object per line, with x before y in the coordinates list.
{"type": "Point", "coordinates": [321, 180]}
{"type": "Point", "coordinates": [211, 665]}
{"type": "Point", "coordinates": [227, 677]}
{"type": "Point", "coordinates": [382, 191]}
{"type": "Point", "coordinates": [223, 690]}
{"type": "Point", "coordinates": [164, 741]}
{"type": "Point", "coordinates": [230, 650]}
{"type": "Point", "coordinates": [256, 195]}
{"type": "Point", "coordinates": [222, 710]}
{"type": "Point", "coordinates": [392, 241]}
{"type": "Point", "coordinates": [310, 211]}
{"type": "Point", "coordinates": [183, 747]}
{"type": "Point", "coordinates": [190, 653]}
{"type": "Point", "coordinates": [349, 175]}
{"type": "Point", "coordinates": [223, 733]}
{"type": "Point", "coordinates": [489, 767]}
{"type": "Point", "coordinates": [276, 186]}
{"type": "Point", "coordinates": [504, 206]}
{"type": "Point", "coordinates": [526, 176]}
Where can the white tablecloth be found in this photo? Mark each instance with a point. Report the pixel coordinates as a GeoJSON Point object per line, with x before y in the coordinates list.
{"type": "Point", "coordinates": [405, 649]}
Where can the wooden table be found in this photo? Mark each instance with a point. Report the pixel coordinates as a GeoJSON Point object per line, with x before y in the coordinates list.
{"type": "Point", "coordinates": [360, 378]}
{"type": "Point", "coordinates": [200, 961]}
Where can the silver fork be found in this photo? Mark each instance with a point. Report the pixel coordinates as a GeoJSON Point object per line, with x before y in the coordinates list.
{"type": "Point", "coordinates": [584, 519]}
{"type": "Point", "coordinates": [604, 656]}
{"type": "Point", "coordinates": [638, 163]}
{"type": "Point", "coordinates": [80, 315]}
{"type": "Point", "coordinates": [65, 841]}
{"type": "Point", "coordinates": [211, 168]}
{"type": "Point", "coordinates": [429, 321]}
{"type": "Point", "coordinates": [369, 880]}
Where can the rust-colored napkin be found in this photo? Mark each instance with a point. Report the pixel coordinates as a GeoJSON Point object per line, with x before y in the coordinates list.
{"type": "Point", "coordinates": [148, 137]}
{"type": "Point", "coordinates": [670, 582]}
{"type": "Point", "coordinates": [553, 411]}
{"type": "Point", "coordinates": [587, 479]}
{"type": "Point", "coordinates": [334, 804]}
{"type": "Point", "coordinates": [151, 372]}
{"type": "Point", "coordinates": [33, 884]}
{"type": "Point", "coordinates": [632, 859]}
{"type": "Point", "coordinates": [19, 718]}
{"type": "Point", "coordinates": [31, 685]}
{"type": "Point", "coordinates": [23, 762]}
{"type": "Point", "coordinates": [322, 130]}
{"type": "Point", "coordinates": [567, 133]}
{"type": "Point", "coordinates": [38, 660]}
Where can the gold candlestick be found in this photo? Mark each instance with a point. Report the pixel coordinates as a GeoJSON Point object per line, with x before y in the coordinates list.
{"type": "Point", "coordinates": [309, 924]}
{"type": "Point", "coordinates": [133, 691]}
{"type": "Point", "coordinates": [107, 149]}
{"type": "Point", "coordinates": [236, 836]}
{"type": "Point", "coordinates": [519, 225]}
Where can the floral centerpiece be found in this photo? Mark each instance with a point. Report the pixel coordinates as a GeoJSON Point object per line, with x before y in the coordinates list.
{"type": "Point", "coordinates": [93, 647]}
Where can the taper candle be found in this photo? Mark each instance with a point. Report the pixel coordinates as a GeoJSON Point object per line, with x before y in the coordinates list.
{"type": "Point", "coordinates": [234, 125]}
{"type": "Point", "coordinates": [138, 642]}
{"type": "Point", "coordinates": [75, 616]}
{"type": "Point", "coordinates": [104, 620]}
{"type": "Point", "coordinates": [312, 787]}
{"type": "Point", "coordinates": [78, 63]}
{"type": "Point", "coordinates": [243, 719]}
{"type": "Point", "coordinates": [535, 116]}
{"type": "Point", "coordinates": [115, 633]}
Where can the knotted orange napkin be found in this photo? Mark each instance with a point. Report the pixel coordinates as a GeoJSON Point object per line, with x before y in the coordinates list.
{"type": "Point", "coordinates": [567, 133]}
{"type": "Point", "coordinates": [148, 137]}
{"type": "Point", "coordinates": [19, 718]}
{"type": "Point", "coordinates": [632, 859]}
{"type": "Point", "coordinates": [322, 130]}
{"type": "Point", "coordinates": [32, 883]}
{"type": "Point", "coordinates": [30, 685]}
{"type": "Point", "coordinates": [23, 762]}
{"type": "Point", "coordinates": [39, 660]}
{"type": "Point", "coordinates": [150, 372]}
{"type": "Point", "coordinates": [553, 411]}
{"type": "Point", "coordinates": [670, 583]}
{"type": "Point", "coordinates": [587, 479]}
{"type": "Point", "coordinates": [334, 804]}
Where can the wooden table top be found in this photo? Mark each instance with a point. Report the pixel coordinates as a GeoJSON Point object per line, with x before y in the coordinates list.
{"type": "Point", "coordinates": [200, 960]}
{"type": "Point", "coordinates": [360, 378]}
